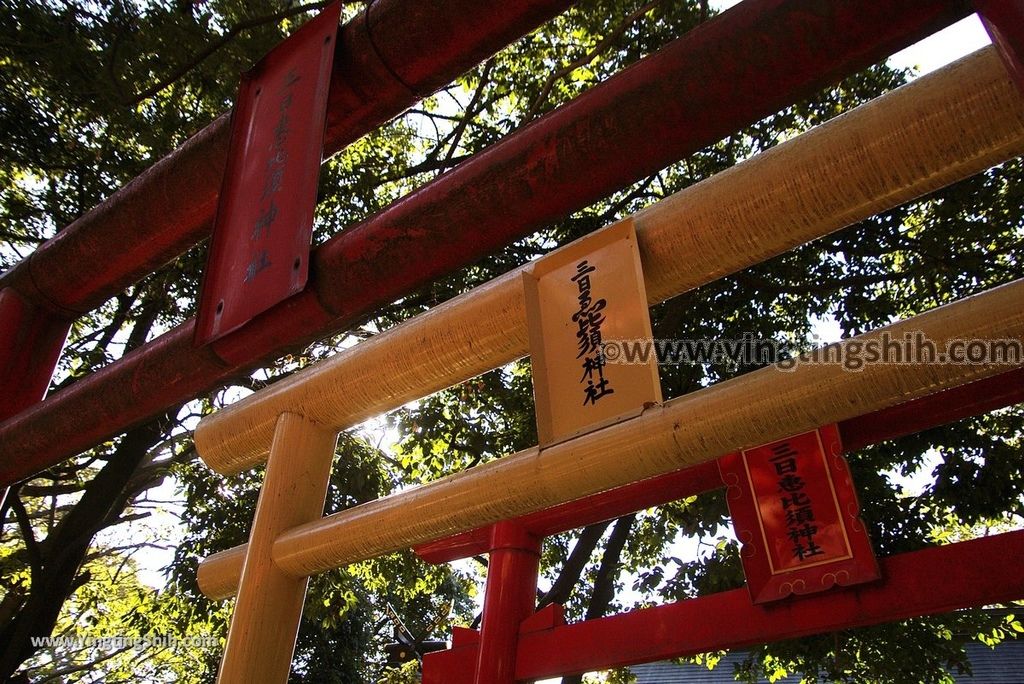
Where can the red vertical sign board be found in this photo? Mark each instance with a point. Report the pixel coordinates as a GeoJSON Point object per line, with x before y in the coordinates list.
{"type": "Point", "coordinates": [259, 253]}
{"type": "Point", "coordinates": [794, 509]}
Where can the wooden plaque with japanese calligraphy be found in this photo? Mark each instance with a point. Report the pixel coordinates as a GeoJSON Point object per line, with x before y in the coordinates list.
{"type": "Point", "coordinates": [794, 509]}
{"type": "Point", "coordinates": [259, 253]}
{"type": "Point", "coordinates": [581, 303]}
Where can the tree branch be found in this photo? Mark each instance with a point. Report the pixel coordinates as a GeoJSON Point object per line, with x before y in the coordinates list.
{"type": "Point", "coordinates": [607, 572]}
{"type": "Point", "coordinates": [51, 490]}
{"type": "Point", "coordinates": [423, 167]}
{"type": "Point", "coordinates": [823, 287]}
{"type": "Point", "coordinates": [634, 194]}
{"type": "Point", "coordinates": [67, 547]}
{"type": "Point", "coordinates": [470, 111]}
{"type": "Point", "coordinates": [583, 61]}
{"type": "Point", "coordinates": [23, 239]}
{"type": "Point", "coordinates": [216, 45]}
{"type": "Point", "coordinates": [60, 673]}
{"type": "Point", "coordinates": [35, 558]}
{"type": "Point", "coordinates": [574, 565]}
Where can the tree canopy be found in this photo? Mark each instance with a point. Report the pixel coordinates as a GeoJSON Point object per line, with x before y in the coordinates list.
{"type": "Point", "coordinates": [94, 93]}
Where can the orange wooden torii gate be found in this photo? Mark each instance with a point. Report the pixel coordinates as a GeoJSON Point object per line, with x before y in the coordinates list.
{"type": "Point", "coordinates": [733, 70]}
{"type": "Point", "coordinates": [955, 128]}
{"type": "Point", "coordinates": [946, 126]}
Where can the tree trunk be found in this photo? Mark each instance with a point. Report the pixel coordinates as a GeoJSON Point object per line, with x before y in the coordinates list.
{"type": "Point", "coordinates": [58, 577]}
{"type": "Point", "coordinates": [607, 572]}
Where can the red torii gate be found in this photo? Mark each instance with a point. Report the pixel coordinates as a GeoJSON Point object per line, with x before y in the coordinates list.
{"type": "Point", "coordinates": [514, 643]}
{"type": "Point", "coordinates": [29, 316]}
{"type": "Point", "coordinates": [526, 645]}
{"type": "Point", "coordinates": [745, 64]}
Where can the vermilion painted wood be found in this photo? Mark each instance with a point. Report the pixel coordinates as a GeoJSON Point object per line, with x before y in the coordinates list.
{"type": "Point", "coordinates": [1004, 21]}
{"type": "Point", "coordinates": [510, 598]}
{"type": "Point", "coordinates": [605, 506]}
{"type": "Point", "coordinates": [937, 409]}
{"type": "Point", "coordinates": [837, 541]}
{"type": "Point", "coordinates": [259, 252]}
{"type": "Point", "coordinates": [31, 339]}
{"type": "Point", "coordinates": [388, 58]}
{"type": "Point", "coordinates": [747, 63]}
{"type": "Point", "coordinates": [972, 573]}
{"type": "Point", "coordinates": [609, 642]}
{"type": "Point", "coordinates": [733, 70]}
{"type": "Point", "coordinates": [972, 399]}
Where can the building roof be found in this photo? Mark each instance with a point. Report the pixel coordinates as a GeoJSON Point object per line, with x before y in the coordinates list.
{"type": "Point", "coordinates": [990, 666]}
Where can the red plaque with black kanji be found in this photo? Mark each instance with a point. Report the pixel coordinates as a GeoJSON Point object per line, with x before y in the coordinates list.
{"type": "Point", "coordinates": [259, 253]}
{"type": "Point", "coordinates": [795, 511]}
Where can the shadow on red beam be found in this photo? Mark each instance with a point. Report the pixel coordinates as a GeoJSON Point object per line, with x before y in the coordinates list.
{"type": "Point", "coordinates": [1004, 21]}
{"type": "Point", "coordinates": [973, 573]}
{"type": "Point", "coordinates": [1005, 389]}
{"type": "Point", "coordinates": [32, 338]}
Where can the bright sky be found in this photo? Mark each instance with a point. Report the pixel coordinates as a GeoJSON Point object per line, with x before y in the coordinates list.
{"type": "Point", "coordinates": [934, 52]}
{"type": "Point", "coordinates": [939, 49]}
